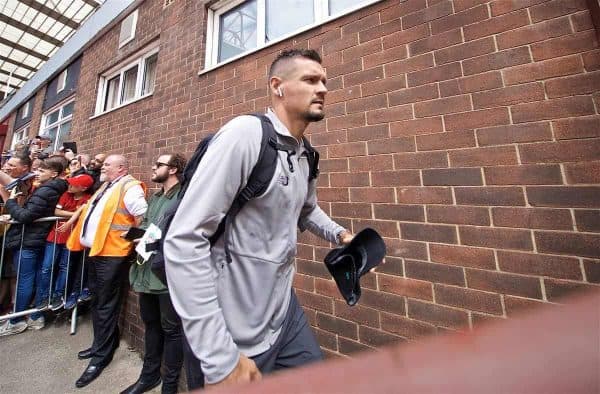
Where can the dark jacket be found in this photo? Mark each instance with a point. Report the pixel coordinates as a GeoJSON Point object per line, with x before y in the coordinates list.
{"type": "Point", "coordinates": [41, 203]}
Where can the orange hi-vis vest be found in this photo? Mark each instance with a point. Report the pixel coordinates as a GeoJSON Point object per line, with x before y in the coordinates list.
{"type": "Point", "coordinates": [114, 220]}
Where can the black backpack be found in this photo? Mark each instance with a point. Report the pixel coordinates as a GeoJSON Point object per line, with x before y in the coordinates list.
{"type": "Point", "coordinates": [259, 180]}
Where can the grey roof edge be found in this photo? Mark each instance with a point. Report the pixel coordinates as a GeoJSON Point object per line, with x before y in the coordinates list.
{"type": "Point", "coordinates": [92, 29]}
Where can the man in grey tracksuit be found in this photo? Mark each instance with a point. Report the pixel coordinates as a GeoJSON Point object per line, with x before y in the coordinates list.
{"type": "Point", "coordinates": [243, 318]}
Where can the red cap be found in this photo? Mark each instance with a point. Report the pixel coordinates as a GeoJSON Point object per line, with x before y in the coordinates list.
{"type": "Point", "coordinates": [82, 180]}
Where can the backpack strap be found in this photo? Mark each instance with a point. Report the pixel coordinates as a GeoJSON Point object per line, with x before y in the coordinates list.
{"type": "Point", "coordinates": [313, 160]}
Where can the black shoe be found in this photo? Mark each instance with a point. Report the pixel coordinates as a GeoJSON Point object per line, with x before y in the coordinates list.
{"type": "Point", "coordinates": [141, 386]}
{"type": "Point", "coordinates": [84, 354]}
{"type": "Point", "coordinates": [88, 376]}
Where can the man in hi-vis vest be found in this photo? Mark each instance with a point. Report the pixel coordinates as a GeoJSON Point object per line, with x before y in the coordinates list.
{"type": "Point", "coordinates": [119, 204]}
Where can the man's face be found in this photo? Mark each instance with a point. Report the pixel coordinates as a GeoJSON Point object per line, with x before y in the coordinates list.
{"type": "Point", "coordinates": [160, 169]}
{"type": "Point", "coordinates": [43, 174]}
{"type": "Point", "coordinates": [15, 168]}
{"type": "Point", "coordinates": [111, 169]}
{"type": "Point", "coordinates": [304, 89]}
{"type": "Point", "coordinates": [97, 162]}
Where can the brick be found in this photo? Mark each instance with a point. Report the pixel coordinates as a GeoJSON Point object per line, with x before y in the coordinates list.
{"type": "Point", "coordinates": [405, 287]}
{"type": "Point", "coordinates": [552, 109]}
{"type": "Point", "coordinates": [392, 266]}
{"type": "Point", "coordinates": [462, 256]}
{"type": "Point", "coordinates": [437, 314]}
{"type": "Point", "coordinates": [449, 88]}
{"type": "Point", "coordinates": [587, 220]}
{"type": "Point", "coordinates": [477, 119]}
{"type": "Point", "coordinates": [338, 45]}
{"type": "Point", "coordinates": [428, 232]}
{"type": "Point", "coordinates": [435, 273]}
{"type": "Point", "coordinates": [581, 127]}
{"type": "Point", "coordinates": [371, 163]}
{"type": "Point", "coordinates": [565, 45]}
{"type": "Point", "coordinates": [510, 134]}
{"type": "Point", "coordinates": [539, 265]}
{"type": "Point", "coordinates": [357, 313]}
{"type": "Point", "coordinates": [391, 145]}
{"type": "Point", "coordinates": [410, 213]}
{"type": "Point", "coordinates": [341, 95]}
{"type": "Point", "coordinates": [452, 177]}
{"type": "Point", "coordinates": [407, 328]}
{"type": "Point", "coordinates": [411, 95]}
{"type": "Point", "coordinates": [406, 249]}
{"type": "Point", "coordinates": [582, 173]}
{"type": "Point", "coordinates": [573, 85]}
{"type": "Point", "coordinates": [481, 320]}
{"type": "Point", "coordinates": [331, 194]}
{"type": "Point", "coordinates": [556, 8]}
{"type": "Point", "coordinates": [582, 21]}
{"type": "Point", "coordinates": [327, 288]}
{"type": "Point", "coordinates": [383, 301]}
{"type": "Point", "coordinates": [380, 30]}
{"type": "Point", "coordinates": [351, 210]}
{"type": "Point", "coordinates": [464, 51]}
{"type": "Point", "coordinates": [498, 60]}
{"type": "Point", "coordinates": [538, 218]}
{"type": "Point", "coordinates": [500, 7]}
{"type": "Point", "coordinates": [360, 77]}
{"type": "Point", "coordinates": [461, 5]}
{"type": "Point", "coordinates": [424, 195]}
{"type": "Point", "coordinates": [386, 228]}
{"type": "Point", "coordinates": [502, 283]}
{"type": "Point", "coordinates": [405, 36]}
{"type": "Point", "coordinates": [534, 33]}
{"type": "Point", "coordinates": [560, 152]}
{"type": "Point", "coordinates": [315, 301]}
{"type": "Point", "coordinates": [591, 60]}
{"type": "Point", "coordinates": [543, 70]}
{"type": "Point", "coordinates": [385, 115]}
{"type": "Point", "coordinates": [592, 270]}
{"type": "Point", "coordinates": [434, 42]}
{"type": "Point", "coordinates": [333, 165]}
{"type": "Point", "coordinates": [388, 84]}
{"type": "Point", "coordinates": [417, 126]}
{"type": "Point", "coordinates": [496, 25]}
{"type": "Point", "coordinates": [476, 83]}
{"type": "Point", "coordinates": [565, 196]}
{"type": "Point", "coordinates": [366, 133]}
{"type": "Point", "coordinates": [509, 95]}
{"type": "Point", "coordinates": [436, 11]}
{"type": "Point", "coordinates": [585, 245]}
{"type": "Point", "coordinates": [396, 178]}
{"type": "Point", "coordinates": [349, 347]}
{"type": "Point", "coordinates": [372, 194]}
{"type": "Point", "coordinates": [459, 19]}
{"type": "Point", "coordinates": [474, 300]}
{"type": "Point", "coordinates": [523, 175]}
{"type": "Point", "coordinates": [499, 238]}
{"type": "Point", "coordinates": [326, 340]}
{"type": "Point", "coordinates": [334, 325]}
{"type": "Point", "coordinates": [490, 156]}
{"type": "Point", "coordinates": [478, 216]}
{"type": "Point", "coordinates": [361, 50]}
{"type": "Point", "coordinates": [517, 305]}
{"type": "Point", "coordinates": [435, 74]}
{"type": "Point", "coordinates": [345, 122]}
{"type": "Point", "coordinates": [557, 289]}
{"type": "Point", "coordinates": [366, 104]}
{"type": "Point", "coordinates": [352, 65]}
{"type": "Point", "coordinates": [312, 268]}
{"type": "Point", "coordinates": [361, 24]}
{"type": "Point", "coordinates": [348, 149]}
{"type": "Point", "coordinates": [411, 65]}
{"type": "Point", "coordinates": [442, 106]}
{"type": "Point", "coordinates": [421, 160]}
{"type": "Point", "coordinates": [377, 338]}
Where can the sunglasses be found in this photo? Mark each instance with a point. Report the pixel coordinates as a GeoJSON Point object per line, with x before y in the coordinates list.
{"type": "Point", "coordinates": [158, 164]}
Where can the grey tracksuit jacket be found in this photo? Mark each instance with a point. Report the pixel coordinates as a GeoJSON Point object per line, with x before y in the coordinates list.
{"type": "Point", "coordinates": [239, 307]}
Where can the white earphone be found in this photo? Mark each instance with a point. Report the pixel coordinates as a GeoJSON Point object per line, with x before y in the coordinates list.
{"type": "Point", "coordinates": [279, 92]}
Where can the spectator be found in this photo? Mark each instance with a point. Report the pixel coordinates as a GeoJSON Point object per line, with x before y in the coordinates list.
{"type": "Point", "coordinates": [94, 170]}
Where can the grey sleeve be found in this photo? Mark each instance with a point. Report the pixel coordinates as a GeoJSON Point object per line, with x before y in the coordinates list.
{"type": "Point", "coordinates": [191, 276]}
{"type": "Point", "coordinates": [313, 219]}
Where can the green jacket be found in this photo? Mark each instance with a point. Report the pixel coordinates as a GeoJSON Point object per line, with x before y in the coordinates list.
{"type": "Point", "coordinates": [140, 276]}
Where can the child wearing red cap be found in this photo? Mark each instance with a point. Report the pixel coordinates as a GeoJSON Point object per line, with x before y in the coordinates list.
{"type": "Point", "coordinates": [68, 204]}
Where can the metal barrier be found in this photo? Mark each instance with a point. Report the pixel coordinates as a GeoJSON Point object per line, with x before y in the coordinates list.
{"type": "Point", "coordinates": [51, 284]}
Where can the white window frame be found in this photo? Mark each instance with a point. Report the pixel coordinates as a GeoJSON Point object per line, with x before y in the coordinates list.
{"type": "Point", "coordinates": [134, 16]}
{"type": "Point", "coordinates": [24, 136]}
{"type": "Point", "coordinates": [321, 16]}
{"type": "Point", "coordinates": [25, 112]}
{"type": "Point", "coordinates": [61, 82]}
{"type": "Point", "coordinates": [58, 123]}
{"type": "Point", "coordinates": [119, 70]}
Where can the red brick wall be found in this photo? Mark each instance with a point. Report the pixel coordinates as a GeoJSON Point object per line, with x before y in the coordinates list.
{"type": "Point", "coordinates": [466, 132]}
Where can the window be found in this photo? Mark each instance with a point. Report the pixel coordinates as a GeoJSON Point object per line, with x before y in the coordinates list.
{"type": "Point", "coordinates": [19, 136]}
{"type": "Point", "coordinates": [237, 27]}
{"type": "Point", "coordinates": [127, 83]}
{"type": "Point", "coordinates": [26, 110]}
{"type": "Point", "coordinates": [127, 32]}
{"type": "Point", "coordinates": [57, 124]}
{"type": "Point", "coordinates": [62, 81]}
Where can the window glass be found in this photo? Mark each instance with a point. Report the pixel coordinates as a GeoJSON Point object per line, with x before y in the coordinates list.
{"type": "Point", "coordinates": [68, 109]}
{"type": "Point", "coordinates": [285, 16]}
{"type": "Point", "coordinates": [149, 74]}
{"type": "Point", "coordinates": [52, 118]}
{"type": "Point", "coordinates": [127, 28]}
{"type": "Point", "coordinates": [64, 130]}
{"type": "Point", "coordinates": [337, 6]}
{"type": "Point", "coordinates": [51, 132]}
{"type": "Point", "coordinates": [237, 30]}
{"type": "Point", "coordinates": [62, 81]}
{"type": "Point", "coordinates": [129, 82]}
{"type": "Point", "coordinates": [112, 93]}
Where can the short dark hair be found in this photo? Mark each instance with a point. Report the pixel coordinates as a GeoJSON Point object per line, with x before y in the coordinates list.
{"type": "Point", "coordinates": [178, 161]}
{"type": "Point", "coordinates": [24, 159]}
{"type": "Point", "coordinates": [56, 164]}
{"type": "Point", "coordinates": [292, 53]}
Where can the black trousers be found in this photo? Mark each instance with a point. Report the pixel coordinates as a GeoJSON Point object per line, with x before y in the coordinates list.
{"type": "Point", "coordinates": [106, 275]}
{"type": "Point", "coordinates": [163, 340]}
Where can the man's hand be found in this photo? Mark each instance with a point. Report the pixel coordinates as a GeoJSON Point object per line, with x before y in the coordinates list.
{"type": "Point", "coordinates": [244, 371]}
{"type": "Point", "coordinates": [345, 237]}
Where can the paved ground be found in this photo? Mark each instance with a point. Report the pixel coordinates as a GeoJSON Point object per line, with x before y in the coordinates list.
{"type": "Point", "coordinates": [45, 361]}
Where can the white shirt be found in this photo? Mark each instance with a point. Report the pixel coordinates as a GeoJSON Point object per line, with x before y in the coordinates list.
{"type": "Point", "coordinates": [135, 203]}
